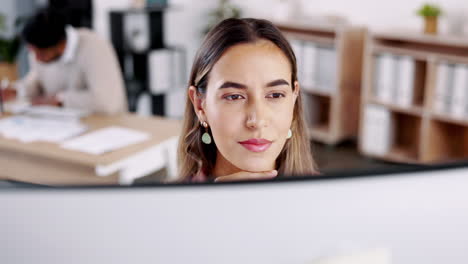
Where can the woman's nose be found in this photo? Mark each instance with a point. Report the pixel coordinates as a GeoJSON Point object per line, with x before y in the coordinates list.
{"type": "Point", "coordinates": [256, 115]}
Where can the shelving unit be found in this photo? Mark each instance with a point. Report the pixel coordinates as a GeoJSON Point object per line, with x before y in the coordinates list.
{"type": "Point", "coordinates": [332, 113]}
{"type": "Point", "coordinates": [420, 135]}
{"type": "Point", "coordinates": [137, 35]}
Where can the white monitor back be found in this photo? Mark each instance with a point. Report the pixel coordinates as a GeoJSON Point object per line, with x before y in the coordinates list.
{"type": "Point", "coordinates": [415, 217]}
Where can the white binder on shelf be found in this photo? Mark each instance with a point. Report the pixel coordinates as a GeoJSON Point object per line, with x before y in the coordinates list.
{"type": "Point", "coordinates": [309, 66]}
{"type": "Point", "coordinates": [160, 70]}
{"type": "Point", "coordinates": [460, 87]}
{"type": "Point", "coordinates": [442, 86]}
{"type": "Point", "coordinates": [326, 69]}
{"type": "Point", "coordinates": [385, 77]}
{"type": "Point", "coordinates": [405, 82]}
{"type": "Point", "coordinates": [378, 130]}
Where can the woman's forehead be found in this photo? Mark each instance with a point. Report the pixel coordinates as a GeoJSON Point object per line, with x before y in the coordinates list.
{"type": "Point", "coordinates": [259, 59]}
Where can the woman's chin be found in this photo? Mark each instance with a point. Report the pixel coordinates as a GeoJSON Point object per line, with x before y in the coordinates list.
{"type": "Point", "coordinates": [255, 167]}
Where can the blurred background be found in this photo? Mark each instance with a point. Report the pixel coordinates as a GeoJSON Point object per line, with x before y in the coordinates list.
{"type": "Point", "coordinates": [160, 38]}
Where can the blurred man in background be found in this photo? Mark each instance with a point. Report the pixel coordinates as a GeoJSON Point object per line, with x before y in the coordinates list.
{"type": "Point", "coordinates": [70, 67]}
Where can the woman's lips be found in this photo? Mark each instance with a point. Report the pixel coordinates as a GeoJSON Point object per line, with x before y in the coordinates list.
{"type": "Point", "coordinates": [256, 144]}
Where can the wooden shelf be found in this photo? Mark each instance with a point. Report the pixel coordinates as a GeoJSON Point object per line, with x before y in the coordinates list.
{"type": "Point", "coordinates": [446, 141]}
{"type": "Point", "coordinates": [413, 110]}
{"type": "Point", "coordinates": [451, 58]}
{"type": "Point", "coordinates": [317, 112]}
{"type": "Point", "coordinates": [309, 31]}
{"type": "Point", "coordinates": [421, 136]}
{"type": "Point", "coordinates": [418, 42]}
{"type": "Point", "coordinates": [328, 28]}
{"type": "Point", "coordinates": [417, 54]}
{"type": "Point", "coordinates": [404, 155]}
{"type": "Point", "coordinates": [407, 131]}
{"type": "Point", "coordinates": [316, 91]}
{"type": "Point", "coordinates": [402, 141]}
{"type": "Point", "coordinates": [397, 155]}
{"type": "Point", "coordinates": [449, 119]}
{"type": "Point", "coordinates": [332, 116]}
{"type": "Point", "coordinates": [416, 37]}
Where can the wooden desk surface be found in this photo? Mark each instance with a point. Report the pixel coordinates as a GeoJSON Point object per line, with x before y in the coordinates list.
{"type": "Point", "coordinates": [160, 129]}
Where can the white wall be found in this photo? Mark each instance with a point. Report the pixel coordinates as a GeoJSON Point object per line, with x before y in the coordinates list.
{"type": "Point", "coordinates": [374, 14]}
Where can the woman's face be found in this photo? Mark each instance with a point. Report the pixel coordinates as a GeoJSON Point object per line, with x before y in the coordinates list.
{"type": "Point", "coordinates": [249, 106]}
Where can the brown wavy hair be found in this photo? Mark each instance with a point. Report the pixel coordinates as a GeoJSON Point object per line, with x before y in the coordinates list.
{"type": "Point", "coordinates": [193, 155]}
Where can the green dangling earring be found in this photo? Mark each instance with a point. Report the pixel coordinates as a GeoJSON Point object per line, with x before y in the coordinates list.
{"type": "Point", "coordinates": [206, 138]}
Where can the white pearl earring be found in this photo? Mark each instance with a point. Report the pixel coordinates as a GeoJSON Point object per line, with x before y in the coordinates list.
{"type": "Point", "coordinates": [289, 134]}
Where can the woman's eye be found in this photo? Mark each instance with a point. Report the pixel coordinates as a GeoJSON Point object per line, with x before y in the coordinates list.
{"type": "Point", "coordinates": [275, 95]}
{"type": "Point", "coordinates": [233, 97]}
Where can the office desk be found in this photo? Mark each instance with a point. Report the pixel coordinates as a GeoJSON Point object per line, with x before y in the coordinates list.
{"type": "Point", "coordinates": [49, 164]}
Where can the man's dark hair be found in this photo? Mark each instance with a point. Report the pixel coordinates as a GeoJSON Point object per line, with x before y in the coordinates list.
{"type": "Point", "coordinates": [45, 29]}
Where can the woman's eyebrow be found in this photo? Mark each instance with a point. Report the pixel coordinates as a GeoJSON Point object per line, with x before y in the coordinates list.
{"type": "Point", "coordinates": [277, 83]}
{"type": "Point", "coordinates": [232, 85]}
{"type": "Point", "coordinates": [243, 86]}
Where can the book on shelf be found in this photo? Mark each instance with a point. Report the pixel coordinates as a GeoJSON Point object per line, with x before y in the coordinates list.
{"type": "Point", "coordinates": [326, 68]}
{"type": "Point", "coordinates": [166, 69]}
{"type": "Point", "coordinates": [160, 70]}
{"type": "Point", "coordinates": [405, 81]}
{"type": "Point", "coordinates": [378, 130]}
{"type": "Point", "coordinates": [316, 66]}
{"type": "Point", "coordinates": [444, 83]}
{"type": "Point", "coordinates": [386, 65]}
{"type": "Point", "coordinates": [309, 66]}
{"type": "Point", "coordinates": [460, 87]}
{"type": "Point", "coordinates": [395, 79]}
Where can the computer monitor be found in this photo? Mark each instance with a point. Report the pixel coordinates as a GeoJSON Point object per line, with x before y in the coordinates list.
{"type": "Point", "coordinates": [417, 217]}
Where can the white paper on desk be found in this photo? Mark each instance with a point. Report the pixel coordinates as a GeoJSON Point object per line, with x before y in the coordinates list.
{"type": "Point", "coordinates": [29, 129]}
{"type": "Point", "coordinates": [106, 140]}
{"type": "Point", "coordinates": [53, 111]}
{"type": "Point", "coordinates": [17, 106]}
